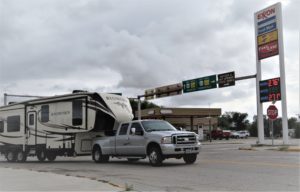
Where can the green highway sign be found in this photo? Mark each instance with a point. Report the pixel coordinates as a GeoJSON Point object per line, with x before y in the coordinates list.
{"type": "Point", "coordinates": [200, 84]}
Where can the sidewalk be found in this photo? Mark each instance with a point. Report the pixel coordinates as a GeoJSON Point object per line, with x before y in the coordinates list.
{"type": "Point", "coordinates": [26, 180]}
{"type": "Point", "coordinates": [276, 144]}
{"type": "Point", "coordinates": [252, 141]}
{"type": "Point", "coordinates": [251, 144]}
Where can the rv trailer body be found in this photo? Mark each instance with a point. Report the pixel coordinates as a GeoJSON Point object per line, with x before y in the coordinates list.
{"type": "Point", "coordinates": [62, 125]}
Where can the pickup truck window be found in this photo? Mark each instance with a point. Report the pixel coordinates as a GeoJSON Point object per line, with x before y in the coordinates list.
{"type": "Point", "coordinates": [123, 129]}
{"type": "Point", "coordinates": [157, 126]}
{"type": "Point", "coordinates": [138, 128]}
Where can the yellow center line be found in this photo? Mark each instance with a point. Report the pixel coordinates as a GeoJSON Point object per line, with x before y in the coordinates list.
{"type": "Point", "coordinates": [253, 163]}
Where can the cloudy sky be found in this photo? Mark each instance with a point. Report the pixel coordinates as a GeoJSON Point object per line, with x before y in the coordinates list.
{"type": "Point", "coordinates": [51, 47]}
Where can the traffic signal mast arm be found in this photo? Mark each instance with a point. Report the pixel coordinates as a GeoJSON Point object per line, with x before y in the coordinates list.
{"type": "Point", "coordinates": [177, 88]}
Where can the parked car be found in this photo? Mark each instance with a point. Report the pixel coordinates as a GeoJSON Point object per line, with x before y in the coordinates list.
{"type": "Point", "coordinates": [235, 134]}
{"type": "Point", "coordinates": [226, 134]}
{"type": "Point", "coordinates": [243, 134]}
{"type": "Point", "coordinates": [240, 134]}
{"type": "Point", "coordinates": [217, 134]}
{"type": "Point", "coordinates": [247, 133]}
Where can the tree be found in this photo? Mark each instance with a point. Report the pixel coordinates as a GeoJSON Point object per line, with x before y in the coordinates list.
{"type": "Point", "coordinates": [292, 123]}
{"type": "Point", "coordinates": [240, 121]}
{"type": "Point", "coordinates": [253, 129]}
{"type": "Point", "coordinates": [277, 127]}
{"type": "Point", "coordinates": [234, 121]}
{"type": "Point", "coordinates": [297, 130]}
{"type": "Point", "coordinates": [224, 121]}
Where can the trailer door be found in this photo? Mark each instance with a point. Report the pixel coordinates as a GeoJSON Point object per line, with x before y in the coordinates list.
{"type": "Point", "coordinates": [31, 130]}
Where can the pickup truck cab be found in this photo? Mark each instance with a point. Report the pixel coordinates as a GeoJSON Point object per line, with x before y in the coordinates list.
{"type": "Point", "coordinates": [155, 139]}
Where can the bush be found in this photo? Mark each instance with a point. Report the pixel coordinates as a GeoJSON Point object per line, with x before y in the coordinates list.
{"type": "Point", "coordinates": [297, 131]}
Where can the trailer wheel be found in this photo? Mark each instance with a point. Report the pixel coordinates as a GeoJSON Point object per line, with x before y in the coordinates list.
{"type": "Point", "coordinates": [21, 156]}
{"type": "Point", "coordinates": [41, 155]}
{"type": "Point", "coordinates": [11, 156]}
{"type": "Point", "coordinates": [190, 158]}
{"type": "Point", "coordinates": [51, 156]}
{"type": "Point", "coordinates": [98, 157]}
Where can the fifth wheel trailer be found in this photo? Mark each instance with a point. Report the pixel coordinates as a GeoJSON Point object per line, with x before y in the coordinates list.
{"type": "Point", "coordinates": [63, 125]}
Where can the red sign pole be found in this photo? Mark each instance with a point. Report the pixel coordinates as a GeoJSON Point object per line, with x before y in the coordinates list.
{"type": "Point", "coordinates": [272, 113]}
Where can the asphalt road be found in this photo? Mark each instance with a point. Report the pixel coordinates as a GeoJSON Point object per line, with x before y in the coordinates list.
{"type": "Point", "coordinates": [219, 167]}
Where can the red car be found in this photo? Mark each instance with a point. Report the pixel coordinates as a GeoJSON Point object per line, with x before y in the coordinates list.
{"type": "Point", "coordinates": [226, 134]}
{"type": "Point", "coordinates": [217, 134]}
{"type": "Point", "coordinates": [220, 134]}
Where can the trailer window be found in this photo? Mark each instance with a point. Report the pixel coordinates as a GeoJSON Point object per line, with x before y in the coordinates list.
{"type": "Point", "coordinates": [77, 112]}
{"type": "Point", "coordinates": [45, 113]}
{"type": "Point", "coordinates": [1, 126]}
{"type": "Point", "coordinates": [13, 123]}
{"type": "Point", "coordinates": [31, 119]}
{"type": "Point", "coordinates": [123, 129]}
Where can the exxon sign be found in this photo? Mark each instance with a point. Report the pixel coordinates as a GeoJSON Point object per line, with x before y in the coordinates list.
{"type": "Point", "coordinates": [266, 14]}
{"type": "Point", "coordinates": [266, 30]}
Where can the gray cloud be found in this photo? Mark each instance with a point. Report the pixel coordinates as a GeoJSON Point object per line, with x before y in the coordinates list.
{"type": "Point", "coordinates": [54, 46]}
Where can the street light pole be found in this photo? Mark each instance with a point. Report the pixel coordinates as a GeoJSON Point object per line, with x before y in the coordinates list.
{"type": "Point", "coordinates": [5, 98]}
{"type": "Point", "coordinates": [139, 108]}
{"type": "Point", "coordinates": [209, 123]}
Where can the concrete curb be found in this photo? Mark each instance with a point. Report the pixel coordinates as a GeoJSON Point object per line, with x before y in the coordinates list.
{"type": "Point", "coordinates": [290, 149]}
{"type": "Point", "coordinates": [247, 148]}
{"type": "Point", "coordinates": [270, 147]}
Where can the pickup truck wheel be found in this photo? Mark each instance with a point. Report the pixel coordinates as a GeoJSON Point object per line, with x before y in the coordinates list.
{"type": "Point", "coordinates": [98, 157]}
{"type": "Point", "coordinates": [190, 158]}
{"type": "Point", "coordinates": [155, 157]}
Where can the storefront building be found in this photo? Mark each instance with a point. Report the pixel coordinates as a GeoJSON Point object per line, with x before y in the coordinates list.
{"type": "Point", "coordinates": [191, 119]}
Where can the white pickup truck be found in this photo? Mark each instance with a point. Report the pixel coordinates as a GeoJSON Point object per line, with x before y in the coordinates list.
{"type": "Point", "coordinates": [156, 139]}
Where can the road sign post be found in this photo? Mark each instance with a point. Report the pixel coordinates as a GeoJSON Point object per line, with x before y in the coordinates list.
{"type": "Point", "coordinates": [272, 113]}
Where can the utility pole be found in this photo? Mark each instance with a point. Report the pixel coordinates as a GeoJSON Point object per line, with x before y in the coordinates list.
{"type": "Point", "coordinates": [209, 120]}
{"type": "Point", "coordinates": [139, 108]}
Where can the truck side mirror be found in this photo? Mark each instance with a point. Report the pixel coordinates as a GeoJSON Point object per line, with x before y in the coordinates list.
{"type": "Point", "coordinates": [133, 130]}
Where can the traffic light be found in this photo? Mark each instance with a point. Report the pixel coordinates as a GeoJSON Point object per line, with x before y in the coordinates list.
{"type": "Point", "coordinates": [164, 91]}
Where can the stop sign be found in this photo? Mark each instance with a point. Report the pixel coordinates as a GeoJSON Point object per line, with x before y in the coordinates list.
{"type": "Point", "coordinates": [272, 112]}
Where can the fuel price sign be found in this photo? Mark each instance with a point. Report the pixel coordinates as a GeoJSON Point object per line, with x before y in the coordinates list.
{"type": "Point", "coordinates": [270, 90]}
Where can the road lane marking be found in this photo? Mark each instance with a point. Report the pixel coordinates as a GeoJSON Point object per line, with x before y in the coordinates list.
{"type": "Point", "coordinates": [253, 163]}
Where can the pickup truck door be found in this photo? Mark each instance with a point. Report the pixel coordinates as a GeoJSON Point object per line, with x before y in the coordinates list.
{"type": "Point", "coordinates": [137, 145]}
{"type": "Point", "coordinates": [122, 140]}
